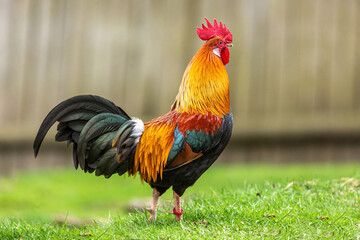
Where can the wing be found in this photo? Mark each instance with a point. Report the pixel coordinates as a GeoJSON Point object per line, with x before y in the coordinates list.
{"type": "Point", "coordinates": [189, 145]}
{"type": "Point", "coordinates": [173, 140]}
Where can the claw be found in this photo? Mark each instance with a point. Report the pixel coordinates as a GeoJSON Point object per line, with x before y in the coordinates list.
{"type": "Point", "coordinates": [152, 214]}
{"type": "Point", "coordinates": [152, 217]}
{"type": "Point", "coordinates": [178, 217]}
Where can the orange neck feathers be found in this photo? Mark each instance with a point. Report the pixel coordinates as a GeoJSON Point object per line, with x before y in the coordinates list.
{"type": "Point", "coordinates": [205, 85]}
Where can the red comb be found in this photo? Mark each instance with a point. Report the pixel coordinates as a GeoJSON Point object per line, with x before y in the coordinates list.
{"type": "Point", "coordinates": [205, 33]}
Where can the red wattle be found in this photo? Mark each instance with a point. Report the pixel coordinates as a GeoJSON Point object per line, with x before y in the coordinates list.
{"type": "Point", "coordinates": [225, 55]}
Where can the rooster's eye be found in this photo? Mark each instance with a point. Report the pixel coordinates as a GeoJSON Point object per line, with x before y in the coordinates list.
{"type": "Point", "coordinates": [220, 42]}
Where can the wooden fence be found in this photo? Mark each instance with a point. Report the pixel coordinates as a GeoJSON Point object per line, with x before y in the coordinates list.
{"type": "Point", "coordinates": [294, 68]}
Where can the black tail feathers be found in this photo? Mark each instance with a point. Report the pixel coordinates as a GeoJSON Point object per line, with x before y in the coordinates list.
{"type": "Point", "coordinates": [91, 124]}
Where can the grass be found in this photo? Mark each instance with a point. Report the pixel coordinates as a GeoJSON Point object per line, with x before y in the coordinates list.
{"type": "Point", "coordinates": [228, 202]}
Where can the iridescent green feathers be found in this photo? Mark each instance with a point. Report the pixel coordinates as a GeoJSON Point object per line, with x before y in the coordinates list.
{"type": "Point", "coordinates": [91, 123]}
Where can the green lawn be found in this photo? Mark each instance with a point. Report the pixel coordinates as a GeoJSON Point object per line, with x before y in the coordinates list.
{"type": "Point", "coordinates": [249, 201]}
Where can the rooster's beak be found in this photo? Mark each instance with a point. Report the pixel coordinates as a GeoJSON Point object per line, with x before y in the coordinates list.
{"type": "Point", "coordinates": [229, 45]}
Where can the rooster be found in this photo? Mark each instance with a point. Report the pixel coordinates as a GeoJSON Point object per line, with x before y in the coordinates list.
{"type": "Point", "coordinates": [173, 150]}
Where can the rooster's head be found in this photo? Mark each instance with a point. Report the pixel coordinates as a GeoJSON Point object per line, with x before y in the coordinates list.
{"type": "Point", "coordinates": [219, 37]}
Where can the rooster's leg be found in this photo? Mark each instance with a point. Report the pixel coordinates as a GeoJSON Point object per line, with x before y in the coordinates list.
{"type": "Point", "coordinates": [177, 209]}
{"type": "Point", "coordinates": [153, 209]}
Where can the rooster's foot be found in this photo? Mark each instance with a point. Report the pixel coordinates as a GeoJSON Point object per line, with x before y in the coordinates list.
{"type": "Point", "coordinates": [153, 209]}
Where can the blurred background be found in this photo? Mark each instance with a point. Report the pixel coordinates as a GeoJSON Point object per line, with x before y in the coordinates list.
{"type": "Point", "coordinates": [294, 71]}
